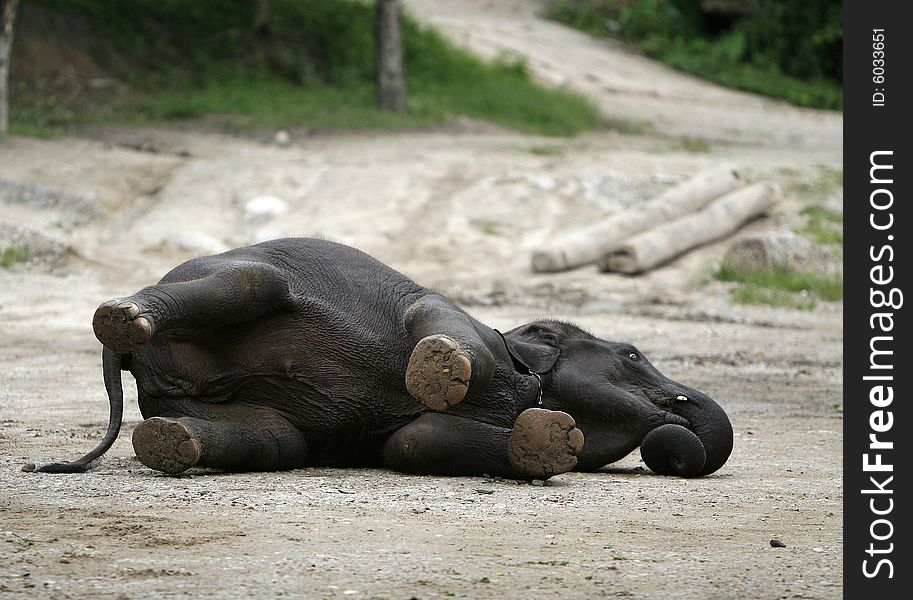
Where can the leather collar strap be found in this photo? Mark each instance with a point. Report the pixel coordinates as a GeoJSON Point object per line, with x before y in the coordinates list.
{"type": "Point", "coordinates": [521, 366]}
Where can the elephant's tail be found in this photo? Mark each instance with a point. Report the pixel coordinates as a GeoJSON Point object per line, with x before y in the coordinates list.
{"type": "Point", "coordinates": [111, 363]}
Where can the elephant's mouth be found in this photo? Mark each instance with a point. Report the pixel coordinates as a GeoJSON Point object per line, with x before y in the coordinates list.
{"type": "Point", "coordinates": [667, 402]}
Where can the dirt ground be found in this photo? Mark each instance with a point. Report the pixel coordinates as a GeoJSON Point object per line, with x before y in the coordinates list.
{"type": "Point", "coordinates": [459, 208]}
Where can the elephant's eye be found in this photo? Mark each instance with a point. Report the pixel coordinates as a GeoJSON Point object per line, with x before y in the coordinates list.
{"type": "Point", "coordinates": [633, 356]}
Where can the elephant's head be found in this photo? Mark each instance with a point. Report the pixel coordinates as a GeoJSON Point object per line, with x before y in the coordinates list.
{"type": "Point", "coordinates": [620, 401]}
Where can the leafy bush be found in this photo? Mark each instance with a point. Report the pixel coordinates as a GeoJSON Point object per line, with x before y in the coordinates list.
{"type": "Point", "coordinates": [790, 49]}
{"type": "Point", "coordinates": [312, 64]}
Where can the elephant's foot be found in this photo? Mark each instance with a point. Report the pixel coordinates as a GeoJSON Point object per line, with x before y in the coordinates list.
{"type": "Point", "coordinates": [438, 372]}
{"type": "Point", "coordinates": [119, 325]}
{"type": "Point", "coordinates": [544, 443]}
{"type": "Point", "coordinates": [166, 445]}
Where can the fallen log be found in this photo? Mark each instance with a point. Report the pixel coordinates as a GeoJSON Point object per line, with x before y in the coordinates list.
{"type": "Point", "coordinates": [590, 244]}
{"type": "Point", "coordinates": [663, 243]}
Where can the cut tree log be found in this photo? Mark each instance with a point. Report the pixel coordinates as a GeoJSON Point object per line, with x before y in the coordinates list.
{"type": "Point", "coordinates": [663, 243]}
{"type": "Point", "coordinates": [590, 244]}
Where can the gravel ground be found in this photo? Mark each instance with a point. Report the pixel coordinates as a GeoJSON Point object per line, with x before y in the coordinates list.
{"type": "Point", "coordinates": [458, 209]}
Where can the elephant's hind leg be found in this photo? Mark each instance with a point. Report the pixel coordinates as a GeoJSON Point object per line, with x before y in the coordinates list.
{"type": "Point", "coordinates": [166, 445]}
{"type": "Point", "coordinates": [235, 292]}
{"type": "Point", "coordinates": [438, 372]}
{"type": "Point", "coordinates": [542, 443]}
{"type": "Point", "coordinates": [229, 437]}
{"type": "Point", "coordinates": [450, 359]}
{"type": "Point", "coordinates": [119, 325]}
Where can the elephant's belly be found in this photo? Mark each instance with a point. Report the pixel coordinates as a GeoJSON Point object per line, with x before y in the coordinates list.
{"type": "Point", "coordinates": [314, 391]}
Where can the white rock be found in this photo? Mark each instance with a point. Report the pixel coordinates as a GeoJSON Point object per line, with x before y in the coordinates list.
{"type": "Point", "coordinates": [265, 206]}
{"type": "Point", "coordinates": [198, 242]}
{"type": "Point", "coordinates": [774, 250]}
{"type": "Point", "coordinates": [545, 183]}
{"type": "Point", "coordinates": [282, 137]}
{"type": "Point", "coordinates": [834, 204]}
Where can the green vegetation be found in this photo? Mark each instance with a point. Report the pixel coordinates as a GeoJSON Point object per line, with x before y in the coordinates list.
{"type": "Point", "coordinates": [694, 144]}
{"type": "Point", "coordinates": [310, 65]}
{"type": "Point", "coordinates": [31, 130]}
{"type": "Point", "coordinates": [781, 288]}
{"type": "Point", "coordinates": [754, 294]}
{"type": "Point", "coordinates": [791, 50]}
{"type": "Point", "coordinates": [628, 126]}
{"type": "Point", "coordinates": [824, 226]}
{"type": "Point", "coordinates": [827, 182]}
{"type": "Point", "coordinates": [546, 150]}
{"type": "Point", "coordinates": [485, 226]}
{"type": "Point", "coordinates": [12, 255]}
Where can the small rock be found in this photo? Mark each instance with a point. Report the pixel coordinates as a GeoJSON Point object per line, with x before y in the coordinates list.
{"type": "Point", "coordinates": [31, 245]}
{"type": "Point", "coordinates": [28, 467]}
{"type": "Point", "coordinates": [777, 544]}
{"type": "Point", "coordinates": [834, 204]}
{"type": "Point", "coordinates": [780, 250]}
{"type": "Point", "coordinates": [197, 242]}
{"type": "Point", "coordinates": [612, 26]}
{"type": "Point", "coordinates": [481, 491]}
{"type": "Point", "coordinates": [545, 183]}
{"type": "Point", "coordinates": [282, 138]}
{"type": "Point", "coordinates": [265, 207]}
{"type": "Point", "coordinates": [537, 482]}
{"type": "Point", "coordinates": [39, 196]}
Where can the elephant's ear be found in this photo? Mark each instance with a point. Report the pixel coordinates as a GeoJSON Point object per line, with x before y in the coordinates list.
{"type": "Point", "coordinates": [536, 346]}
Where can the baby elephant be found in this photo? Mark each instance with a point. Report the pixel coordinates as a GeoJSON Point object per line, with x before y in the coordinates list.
{"type": "Point", "coordinates": [303, 352]}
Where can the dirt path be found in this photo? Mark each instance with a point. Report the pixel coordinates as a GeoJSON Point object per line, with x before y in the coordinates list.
{"type": "Point", "coordinates": [458, 209]}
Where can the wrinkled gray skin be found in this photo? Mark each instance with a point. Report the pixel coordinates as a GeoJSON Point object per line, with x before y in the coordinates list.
{"type": "Point", "coordinates": [294, 352]}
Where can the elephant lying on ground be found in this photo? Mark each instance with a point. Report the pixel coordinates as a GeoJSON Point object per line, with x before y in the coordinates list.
{"type": "Point", "coordinates": [300, 352]}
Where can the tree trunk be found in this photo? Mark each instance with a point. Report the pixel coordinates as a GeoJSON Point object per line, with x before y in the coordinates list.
{"type": "Point", "coordinates": [261, 18]}
{"type": "Point", "coordinates": [664, 242]}
{"type": "Point", "coordinates": [7, 15]}
{"type": "Point", "coordinates": [591, 243]}
{"type": "Point", "coordinates": [391, 78]}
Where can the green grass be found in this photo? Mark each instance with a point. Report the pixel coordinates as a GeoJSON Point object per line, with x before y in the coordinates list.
{"type": "Point", "coordinates": [546, 150]}
{"type": "Point", "coordinates": [694, 145]}
{"type": "Point", "coordinates": [768, 82]}
{"type": "Point", "coordinates": [824, 184]}
{"type": "Point", "coordinates": [12, 255]}
{"type": "Point", "coordinates": [628, 126]}
{"type": "Point", "coordinates": [754, 294]}
{"type": "Point", "coordinates": [661, 32]}
{"type": "Point", "coordinates": [485, 226]}
{"type": "Point", "coordinates": [31, 129]}
{"type": "Point", "coordinates": [781, 287]}
{"type": "Point", "coordinates": [823, 226]}
{"type": "Point", "coordinates": [312, 66]}
{"type": "Point", "coordinates": [266, 102]}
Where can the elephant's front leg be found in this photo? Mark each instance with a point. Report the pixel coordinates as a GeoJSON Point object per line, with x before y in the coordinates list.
{"type": "Point", "coordinates": [234, 293]}
{"type": "Point", "coordinates": [542, 443]}
{"type": "Point", "coordinates": [450, 359]}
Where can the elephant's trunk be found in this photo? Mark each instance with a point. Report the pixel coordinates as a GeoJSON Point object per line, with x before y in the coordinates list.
{"type": "Point", "coordinates": [111, 363]}
{"type": "Point", "coordinates": [711, 425]}
{"type": "Point", "coordinates": [698, 450]}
